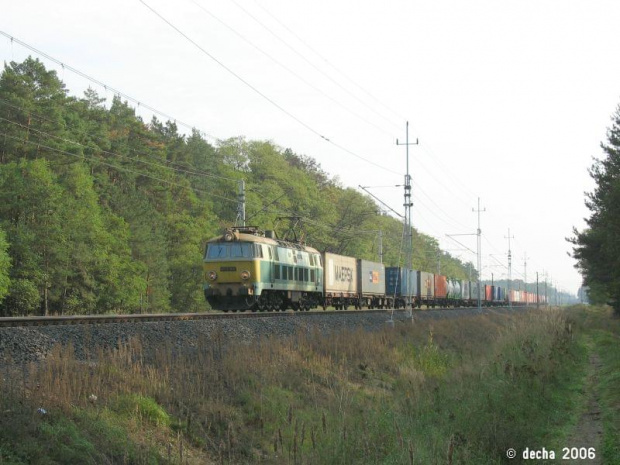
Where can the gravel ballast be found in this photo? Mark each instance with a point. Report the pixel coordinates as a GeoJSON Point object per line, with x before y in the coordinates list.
{"type": "Point", "coordinates": [34, 343]}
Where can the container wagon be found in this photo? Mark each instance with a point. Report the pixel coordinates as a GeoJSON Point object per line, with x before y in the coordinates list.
{"type": "Point", "coordinates": [455, 295]}
{"type": "Point", "coordinates": [401, 285]}
{"type": "Point", "coordinates": [340, 281]}
{"type": "Point", "coordinates": [371, 285]}
{"type": "Point", "coordinates": [426, 289]}
{"type": "Point", "coordinates": [441, 291]}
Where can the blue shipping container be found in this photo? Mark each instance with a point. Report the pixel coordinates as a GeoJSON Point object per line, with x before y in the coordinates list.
{"type": "Point", "coordinates": [398, 284]}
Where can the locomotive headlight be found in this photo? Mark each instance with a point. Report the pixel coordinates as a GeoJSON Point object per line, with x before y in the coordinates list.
{"type": "Point", "coordinates": [245, 275]}
{"type": "Point", "coordinates": [212, 275]}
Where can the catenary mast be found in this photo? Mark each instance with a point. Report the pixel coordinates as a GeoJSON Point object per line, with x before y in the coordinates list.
{"type": "Point", "coordinates": [408, 226]}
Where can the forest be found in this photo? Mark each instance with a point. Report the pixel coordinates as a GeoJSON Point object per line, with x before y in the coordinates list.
{"type": "Point", "coordinates": [102, 212]}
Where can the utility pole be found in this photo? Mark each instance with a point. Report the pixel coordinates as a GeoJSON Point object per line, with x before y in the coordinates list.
{"type": "Point", "coordinates": [525, 273]}
{"type": "Point", "coordinates": [537, 298]}
{"type": "Point", "coordinates": [241, 203]}
{"type": "Point", "coordinates": [408, 227]}
{"type": "Point", "coordinates": [380, 246]}
{"type": "Point", "coordinates": [509, 267]}
{"type": "Point", "coordinates": [479, 247]}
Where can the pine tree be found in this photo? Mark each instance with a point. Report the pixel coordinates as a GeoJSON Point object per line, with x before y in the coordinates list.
{"type": "Point", "coordinates": [597, 248]}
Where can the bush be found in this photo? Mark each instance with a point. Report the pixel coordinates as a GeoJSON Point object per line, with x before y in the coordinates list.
{"type": "Point", "coordinates": [23, 298]}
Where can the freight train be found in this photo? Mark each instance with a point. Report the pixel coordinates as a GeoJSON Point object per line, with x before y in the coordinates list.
{"type": "Point", "coordinates": [249, 269]}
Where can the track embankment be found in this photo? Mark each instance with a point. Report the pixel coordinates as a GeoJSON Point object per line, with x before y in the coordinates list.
{"type": "Point", "coordinates": [28, 343]}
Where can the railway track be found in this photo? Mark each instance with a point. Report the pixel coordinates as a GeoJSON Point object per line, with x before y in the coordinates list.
{"type": "Point", "coordinates": [160, 317]}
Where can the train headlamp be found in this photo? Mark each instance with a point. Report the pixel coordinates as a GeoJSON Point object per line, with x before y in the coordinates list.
{"type": "Point", "coordinates": [245, 275]}
{"type": "Point", "coordinates": [212, 275]}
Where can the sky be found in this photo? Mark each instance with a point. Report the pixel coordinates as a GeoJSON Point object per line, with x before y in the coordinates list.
{"type": "Point", "coordinates": [508, 100]}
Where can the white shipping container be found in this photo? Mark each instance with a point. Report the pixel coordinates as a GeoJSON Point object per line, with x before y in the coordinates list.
{"type": "Point", "coordinates": [340, 274]}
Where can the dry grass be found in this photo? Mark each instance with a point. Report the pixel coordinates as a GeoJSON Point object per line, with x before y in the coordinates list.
{"type": "Point", "coordinates": [422, 393]}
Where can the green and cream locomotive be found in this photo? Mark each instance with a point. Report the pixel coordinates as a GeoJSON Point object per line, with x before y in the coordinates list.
{"type": "Point", "coordinates": [249, 269]}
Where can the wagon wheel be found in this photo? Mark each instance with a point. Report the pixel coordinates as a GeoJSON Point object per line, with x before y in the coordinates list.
{"type": "Point", "coordinates": [276, 303]}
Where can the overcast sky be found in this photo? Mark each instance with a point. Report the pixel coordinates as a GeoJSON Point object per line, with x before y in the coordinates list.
{"type": "Point", "coordinates": [509, 99]}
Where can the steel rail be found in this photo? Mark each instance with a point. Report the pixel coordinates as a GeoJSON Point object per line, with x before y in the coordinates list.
{"type": "Point", "coordinates": [158, 317]}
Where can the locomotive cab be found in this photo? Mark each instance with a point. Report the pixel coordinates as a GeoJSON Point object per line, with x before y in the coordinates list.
{"type": "Point", "coordinates": [245, 269]}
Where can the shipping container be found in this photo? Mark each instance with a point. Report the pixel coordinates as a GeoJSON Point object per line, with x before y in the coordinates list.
{"type": "Point", "coordinates": [455, 291]}
{"type": "Point", "coordinates": [474, 288]}
{"type": "Point", "coordinates": [441, 287]}
{"type": "Point", "coordinates": [371, 277]}
{"type": "Point", "coordinates": [401, 282]}
{"type": "Point", "coordinates": [488, 293]}
{"type": "Point", "coordinates": [426, 285]}
{"type": "Point", "coordinates": [340, 275]}
{"type": "Point", "coordinates": [465, 286]}
{"type": "Point", "coordinates": [501, 294]}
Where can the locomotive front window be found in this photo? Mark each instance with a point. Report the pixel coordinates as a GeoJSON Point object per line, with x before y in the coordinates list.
{"type": "Point", "coordinates": [241, 250]}
{"type": "Point", "coordinates": [217, 251]}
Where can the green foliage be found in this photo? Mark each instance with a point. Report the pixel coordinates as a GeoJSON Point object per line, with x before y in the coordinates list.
{"type": "Point", "coordinates": [596, 248]}
{"type": "Point", "coordinates": [23, 298]}
{"type": "Point", "coordinates": [142, 407]}
{"type": "Point", "coordinates": [103, 212]}
{"type": "Point", "coordinates": [66, 443]}
{"type": "Point", "coordinates": [5, 266]}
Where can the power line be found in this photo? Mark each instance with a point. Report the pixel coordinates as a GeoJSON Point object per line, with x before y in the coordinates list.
{"type": "Point", "coordinates": [304, 58]}
{"type": "Point", "coordinates": [116, 167]}
{"type": "Point", "coordinates": [179, 170]}
{"type": "Point", "coordinates": [101, 84]}
{"type": "Point", "coordinates": [297, 75]}
{"type": "Point", "coordinates": [62, 139]}
{"type": "Point", "coordinates": [330, 64]}
{"type": "Point", "coordinates": [256, 90]}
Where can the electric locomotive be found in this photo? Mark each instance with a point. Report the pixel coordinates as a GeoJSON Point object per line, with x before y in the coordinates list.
{"type": "Point", "coordinates": [249, 269]}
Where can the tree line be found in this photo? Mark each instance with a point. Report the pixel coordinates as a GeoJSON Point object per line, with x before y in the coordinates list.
{"type": "Point", "coordinates": [103, 212]}
{"type": "Point", "coordinates": [597, 247]}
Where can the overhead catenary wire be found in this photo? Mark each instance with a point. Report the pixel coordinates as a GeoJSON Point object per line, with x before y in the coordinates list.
{"type": "Point", "coordinates": [305, 58]}
{"type": "Point", "coordinates": [106, 152]}
{"type": "Point", "coordinates": [177, 121]}
{"type": "Point", "coordinates": [292, 72]}
{"type": "Point", "coordinates": [182, 166]}
{"type": "Point", "coordinates": [133, 159]}
{"type": "Point", "coordinates": [395, 113]}
{"type": "Point", "coordinates": [120, 168]}
{"type": "Point", "coordinates": [263, 95]}
{"type": "Point", "coordinates": [108, 87]}
{"type": "Point", "coordinates": [103, 85]}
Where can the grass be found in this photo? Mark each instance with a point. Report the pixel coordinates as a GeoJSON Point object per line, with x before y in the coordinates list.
{"type": "Point", "coordinates": [449, 391]}
{"type": "Point", "coordinates": [601, 332]}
